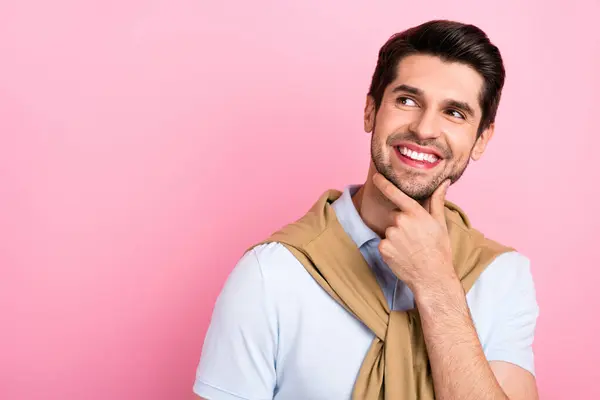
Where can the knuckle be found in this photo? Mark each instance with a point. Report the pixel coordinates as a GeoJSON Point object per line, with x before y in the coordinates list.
{"type": "Point", "coordinates": [389, 233]}
{"type": "Point", "coordinates": [383, 246]}
{"type": "Point", "coordinates": [386, 249]}
{"type": "Point", "coordinates": [393, 234]}
{"type": "Point", "coordinates": [398, 219]}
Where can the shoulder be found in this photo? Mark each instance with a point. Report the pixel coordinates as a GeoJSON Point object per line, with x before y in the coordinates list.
{"type": "Point", "coordinates": [252, 287]}
{"type": "Point", "coordinates": [509, 266]}
{"type": "Point", "coordinates": [270, 259]}
{"type": "Point", "coordinates": [509, 273]}
{"type": "Point", "coordinates": [505, 288]}
{"type": "Point", "coordinates": [262, 260]}
{"type": "Point", "coordinates": [273, 266]}
{"type": "Point", "coordinates": [269, 253]}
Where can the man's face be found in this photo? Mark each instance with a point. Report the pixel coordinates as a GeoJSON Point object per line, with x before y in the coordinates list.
{"type": "Point", "coordinates": [425, 130]}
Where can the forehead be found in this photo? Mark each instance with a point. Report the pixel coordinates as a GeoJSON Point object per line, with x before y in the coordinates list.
{"type": "Point", "coordinates": [440, 80]}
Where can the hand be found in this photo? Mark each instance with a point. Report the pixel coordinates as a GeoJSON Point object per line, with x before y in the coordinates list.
{"type": "Point", "coordinates": [416, 245]}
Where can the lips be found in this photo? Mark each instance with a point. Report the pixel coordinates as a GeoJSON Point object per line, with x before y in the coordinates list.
{"type": "Point", "coordinates": [417, 157]}
{"type": "Point", "coordinates": [418, 149]}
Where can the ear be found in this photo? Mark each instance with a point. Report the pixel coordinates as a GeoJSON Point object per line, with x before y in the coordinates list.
{"type": "Point", "coordinates": [369, 117]}
{"type": "Point", "coordinates": [482, 142]}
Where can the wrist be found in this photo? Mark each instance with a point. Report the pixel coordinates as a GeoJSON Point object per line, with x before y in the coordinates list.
{"type": "Point", "coordinates": [437, 276]}
{"type": "Point", "coordinates": [440, 295]}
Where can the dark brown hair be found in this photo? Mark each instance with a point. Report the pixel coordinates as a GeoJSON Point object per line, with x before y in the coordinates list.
{"type": "Point", "coordinates": [452, 42]}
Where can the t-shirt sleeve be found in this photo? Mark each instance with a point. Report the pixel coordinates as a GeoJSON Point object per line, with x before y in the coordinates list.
{"type": "Point", "coordinates": [238, 355]}
{"type": "Point", "coordinates": [511, 339]}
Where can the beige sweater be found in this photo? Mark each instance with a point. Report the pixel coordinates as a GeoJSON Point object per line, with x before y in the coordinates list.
{"type": "Point", "coordinates": [396, 365]}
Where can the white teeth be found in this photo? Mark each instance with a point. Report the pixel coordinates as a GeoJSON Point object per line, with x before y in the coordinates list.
{"type": "Point", "coordinates": [418, 156]}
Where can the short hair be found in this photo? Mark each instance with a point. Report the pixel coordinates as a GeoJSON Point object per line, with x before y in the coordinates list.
{"type": "Point", "coordinates": [451, 41]}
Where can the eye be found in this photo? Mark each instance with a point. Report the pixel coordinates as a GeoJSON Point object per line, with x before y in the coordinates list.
{"type": "Point", "coordinates": [456, 114]}
{"type": "Point", "coordinates": [406, 101]}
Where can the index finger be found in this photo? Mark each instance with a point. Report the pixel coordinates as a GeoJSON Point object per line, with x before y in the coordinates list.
{"type": "Point", "coordinates": [437, 202]}
{"type": "Point", "coordinates": [395, 195]}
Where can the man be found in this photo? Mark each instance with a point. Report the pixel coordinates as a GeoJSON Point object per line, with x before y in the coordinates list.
{"type": "Point", "coordinates": [452, 314]}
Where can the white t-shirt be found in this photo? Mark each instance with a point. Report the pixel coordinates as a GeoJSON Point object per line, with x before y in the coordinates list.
{"type": "Point", "coordinates": [276, 334]}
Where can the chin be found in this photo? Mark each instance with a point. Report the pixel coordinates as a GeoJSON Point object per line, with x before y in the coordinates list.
{"type": "Point", "coordinates": [418, 195]}
{"type": "Point", "coordinates": [415, 190]}
{"type": "Point", "coordinates": [415, 186]}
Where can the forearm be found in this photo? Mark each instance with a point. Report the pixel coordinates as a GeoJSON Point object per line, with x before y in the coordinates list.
{"type": "Point", "coordinates": [459, 367]}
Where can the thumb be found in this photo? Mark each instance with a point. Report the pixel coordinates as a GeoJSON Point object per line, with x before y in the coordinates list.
{"type": "Point", "coordinates": [437, 202]}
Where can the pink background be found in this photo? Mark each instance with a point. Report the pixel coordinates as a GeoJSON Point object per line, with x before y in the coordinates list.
{"type": "Point", "coordinates": [145, 144]}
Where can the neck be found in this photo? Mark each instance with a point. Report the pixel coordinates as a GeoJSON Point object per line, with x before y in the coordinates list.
{"type": "Point", "coordinates": [373, 207]}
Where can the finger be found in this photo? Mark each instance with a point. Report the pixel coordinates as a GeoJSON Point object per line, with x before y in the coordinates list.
{"type": "Point", "coordinates": [386, 248]}
{"type": "Point", "coordinates": [437, 202]}
{"type": "Point", "coordinates": [427, 205]}
{"type": "Point", "coordinates": [394, 194]}
{"type": "Point", "coordinates": [398, 218]}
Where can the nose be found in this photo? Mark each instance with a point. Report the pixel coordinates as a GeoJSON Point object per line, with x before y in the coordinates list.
{"type": "Point", "coordinates": [426, 125]}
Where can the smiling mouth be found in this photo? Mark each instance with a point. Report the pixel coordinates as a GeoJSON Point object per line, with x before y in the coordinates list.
{"type": "Point", "coordinates": [427, 158]}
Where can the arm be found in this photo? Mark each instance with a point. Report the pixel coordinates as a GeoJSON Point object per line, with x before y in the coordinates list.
{"type": "Point", "coordinates": [238, 355]}
{"type": "Point", "coordinates": [459, 367]}
{"type": "Point", "coordinates": [417, 248]}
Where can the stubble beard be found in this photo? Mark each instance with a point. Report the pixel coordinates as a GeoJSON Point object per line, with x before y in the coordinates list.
{"type": "Point", "coordinates": [410, 184]}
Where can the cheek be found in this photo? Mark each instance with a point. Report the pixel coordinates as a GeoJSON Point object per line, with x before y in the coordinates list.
{"type": "Point", "coordinates": [460, 142]}
{"type": "Point", "coordinates": [390, 120]}
{"type": "Point", "coordinates": [458, 163]}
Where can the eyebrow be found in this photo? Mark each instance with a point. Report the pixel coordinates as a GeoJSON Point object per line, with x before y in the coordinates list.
{"type": "Point", "coordinates": [408, 89]}
{"type": "Point", "coordinates": [460, 105]}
